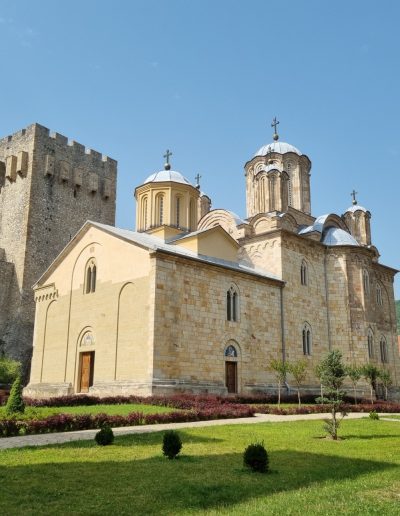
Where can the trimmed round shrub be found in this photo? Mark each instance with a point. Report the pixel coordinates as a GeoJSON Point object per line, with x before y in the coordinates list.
{"type": "Point", "coordinates": [15, 403]}
{"type": "Point", "coordinates": [104, 436]}
{"type": "Point", "coordinates": [374, 415]}
{"type": "Point", "coordinates": [172, 444]}
{"type": "Point", "coordinates": [256, 458]}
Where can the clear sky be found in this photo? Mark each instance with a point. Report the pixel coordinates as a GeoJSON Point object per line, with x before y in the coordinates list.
{"type": "Point", "coordinates": [204, 79]}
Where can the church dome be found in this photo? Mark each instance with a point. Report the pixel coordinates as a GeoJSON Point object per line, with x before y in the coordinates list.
{"type": "Point", "coordinates": [278, 147]}
{"type": "Point", "coordinates": [167, 175]}
{"type": "Point", "coordinates": [337, 236]}
{"type": "Point", "coordinates": [356, 207]}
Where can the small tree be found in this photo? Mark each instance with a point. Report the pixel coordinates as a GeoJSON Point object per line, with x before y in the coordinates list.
{"type": "Point", "coordinates": [386, 380]}
{"type": "Point", "coordinates": [15, 403]}
{"type": "Point", "coordinates": [371, 374]}
{"type": "Point", "coordinates": [280, 368]}
{"type": "Point", "coordinates": [354, 373]}
{"type": "Point", "coordinates": [299, 373]}
{"type": "Point", "coordinates": [172, 444]}
{"type": "Point", "coordinates": [333, 373]}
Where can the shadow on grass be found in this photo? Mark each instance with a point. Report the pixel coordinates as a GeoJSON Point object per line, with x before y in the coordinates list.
{"type": "Point", "coordinates": [156, 485]}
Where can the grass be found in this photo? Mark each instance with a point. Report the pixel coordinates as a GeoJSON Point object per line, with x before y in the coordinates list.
{"type": "Point", "coordinates": [120, 410]}
{"type": "Point", "coordinates": [310, 475]}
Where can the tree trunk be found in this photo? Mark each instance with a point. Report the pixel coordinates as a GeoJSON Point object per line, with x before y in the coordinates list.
{"type": "Point", "coordinates": [334, 427]}
{"type": "Point", "coordinates": [372, 398]}
{"type": "Point", "coordinates": [298, 395]}
{"type": "Point", "coordinates": [279, 394]}
{"type": "Point", "coordinates": [355, 394]}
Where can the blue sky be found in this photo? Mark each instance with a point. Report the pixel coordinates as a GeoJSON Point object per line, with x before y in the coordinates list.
{"type": "Point", "coordinates": [204, 79]}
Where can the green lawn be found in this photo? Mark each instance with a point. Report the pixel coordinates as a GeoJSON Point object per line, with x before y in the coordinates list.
{"type": "Point", "coordinates": [120, 410]}
{"type": "Point", "coordinates": [310, 475]}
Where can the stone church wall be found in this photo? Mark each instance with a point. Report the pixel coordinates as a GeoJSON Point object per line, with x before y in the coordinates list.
{"type": "Point", "coordinates": [191, 330]}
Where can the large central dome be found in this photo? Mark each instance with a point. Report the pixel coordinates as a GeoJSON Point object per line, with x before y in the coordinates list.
{"type": "Point", "coordinates": [167, 175]}
{"type": "Point", "coordinates": [278, 147]}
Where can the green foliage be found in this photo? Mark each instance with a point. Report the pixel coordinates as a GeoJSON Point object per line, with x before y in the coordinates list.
{"type": "Point", "coordinates": [354, 373]}
{"type": "Point", "coordinates": [386, 380]}
{"type": "Point", "coordinates": [374, 415]}
{"type": "Point", "coordinates": [256, 457]}
{"type": "Point", "coordinates": [15, 403]}
{"type": "Point", "coordinates": [332, 374]}
{"type": "Point", "coordinates": [105, 436]}
{"type": "Point", "coordinates": [299, 372]}
{"type": "Point", "coordinates": [280, 369]}
{"type": "Point", "coordinates": [371, 374]}
{"type": "Point", "coordinates": [172, 444]}
{"type": "Point", "coordinates": [9, 370]}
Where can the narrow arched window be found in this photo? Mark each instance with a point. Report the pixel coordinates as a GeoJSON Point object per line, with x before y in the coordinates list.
{"type": "Point", "coordinates": [192, 223]}
{"type": "Point", "coordinates": [304, 273]}
{"type": "Point", "coordinates": [144, 213]}
{"type": "Point", "coordinates": [370, 340]}
{"type": "Point", "coordinates": [379, 300]}
{"type": "Point", "coordinates": [366, 282]}
{"type": "Point", "coordinates": [90, 276]}
{"type": "Point", "coordinates": [383, 350]}
{"type": "Point", "coordinates": [178, 211]}
{"type": "Point", "coordinates": [232, 304]}
{"type": "Point", "coordinates": [307, 339]}
{"type": "Point", "coordinates": [160, 210]}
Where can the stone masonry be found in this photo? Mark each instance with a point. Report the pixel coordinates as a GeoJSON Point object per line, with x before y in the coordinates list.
{"type": "Point", "coordinates": [49, 186]}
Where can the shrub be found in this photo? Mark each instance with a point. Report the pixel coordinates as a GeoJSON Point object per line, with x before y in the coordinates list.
{"type": "Point", "coordinates": [9, 370]}
{"type": "Point", "coordinates": [374, 415]}
{"type": "Point", "coordinates": [105, 436]}
{"type": "Point", "coordinates": [172, 444]}
{"type": "Point", "coordinates": [15, 403]}
{"type": "Point", "coordinates": [256, 458]}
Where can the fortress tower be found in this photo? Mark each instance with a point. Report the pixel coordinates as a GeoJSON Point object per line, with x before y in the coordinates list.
{"type": "Point", "coordinates": [49, 186]}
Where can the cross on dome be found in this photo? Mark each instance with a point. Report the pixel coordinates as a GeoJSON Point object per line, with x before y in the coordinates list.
{"type": "Point", "coordinates": [274, 124]}
{"type": "Point", "coordinates": [167, 155]}
{"type": "Point", "coordinates": [353, 195]}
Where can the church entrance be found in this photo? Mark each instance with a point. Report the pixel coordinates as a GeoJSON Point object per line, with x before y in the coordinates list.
{"type": "Point", "coordinates": [231, 377]}
{"type": "Point", "coordinates": [87, 371]}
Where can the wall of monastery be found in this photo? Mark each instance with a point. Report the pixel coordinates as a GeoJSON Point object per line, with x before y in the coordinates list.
{"type": "Point", "coordinates": [117, 317]}
{"type": "Point", "coordinates": [49, 186]}
{"type": "Point", "coordinates": [191, 330]}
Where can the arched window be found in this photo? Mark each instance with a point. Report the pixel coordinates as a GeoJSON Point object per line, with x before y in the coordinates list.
{"type": "Point", "coordinates": [178, 211]}
{"type": "Point", "coordinates": [370, 340]}
{"type": "Point", "coordinates": [144, 213]}
{"type": "Point", "coordinates": [192, 222]}
{"type": "Point", "coordinates": [307, 339]}
{"type": "Point", "coordinates": [304, 273]}
{"type": "Point", "coordinates": [231, 352]}
{"type": "Point", "coordinates": [232, 304]}
{"type": "Point", "coordinates": [160, 210]}
{"type": "Point", "coordinates": [383, 350]}
{"type": "Point", "coordinates": [366, 282]}
{"type": "Point", "coordinates": [379, 301]}
{"type": "Point", "coordinates": [90, 276]}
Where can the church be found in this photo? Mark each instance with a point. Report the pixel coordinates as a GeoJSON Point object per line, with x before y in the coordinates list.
{"type": "Point", "coordinates": [200, 300]}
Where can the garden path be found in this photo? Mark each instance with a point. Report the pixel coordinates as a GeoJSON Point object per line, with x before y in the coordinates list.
{"type": "Point", "coordinates": [82, 435]}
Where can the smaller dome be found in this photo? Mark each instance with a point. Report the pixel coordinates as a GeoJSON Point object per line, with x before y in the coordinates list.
{"type": "Point", "coordinates": [337, 236]}
{"type": "Point", "coordinates": [356, 207]}
{"type": "Point", "coordinates": [167, 175]}
{"type": "Point", "coordinates": [278, 147]}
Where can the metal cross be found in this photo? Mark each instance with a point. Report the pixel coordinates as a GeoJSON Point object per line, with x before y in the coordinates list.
{"type": "Point", "coordinates": [167, 155]}
{"type": "Point", "coordinates": [197, 178]}
{"type": "Point", "coordinates": [274, 124]}
{"type": "Point", "coordinates": [353, 194]}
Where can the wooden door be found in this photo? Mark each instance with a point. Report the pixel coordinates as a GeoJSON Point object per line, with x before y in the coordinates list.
{"type": "Point", "coordinates": [87, 369]}
{"type": "Point", "coordinates": [231, 376]}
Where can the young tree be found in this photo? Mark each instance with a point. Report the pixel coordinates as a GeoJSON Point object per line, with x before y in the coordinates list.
{"type": "Point", "coordinates": [386, 380]}
{"type": "Point", "coordinates": [299, 373]}
{"type": "Point", "coordinates": [318, 373]}
{"type": "Point", "coordinates": [15, 403]}
{"type": "Point", "coordinates": [371, 374]}
{"type": "Point", "coordinates": [354, 373]}
{"type": "Point", "coordinates": [280, 368]}
{"type": "Point", "coordinates": [9, 369]}
{"type": "Point", "coordinates": [333, 373]}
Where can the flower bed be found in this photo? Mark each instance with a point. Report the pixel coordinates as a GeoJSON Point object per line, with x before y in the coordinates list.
{"type": "Point", "coordinates": [70, 422]}
{"type": "Point", "coordinates": [317, 409]}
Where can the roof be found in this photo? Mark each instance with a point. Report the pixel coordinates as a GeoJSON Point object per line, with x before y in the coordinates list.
{"type": "Point", "coordinates": [154, 243]}
{"type": "Point", "coordinates": [278, 147]}
{"type": "Point", "coordinates": [167, 175]}
{"type": "Point", "coordinates": [357, 207]}
{"type": "Point", "coordinates": [337, 236]}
